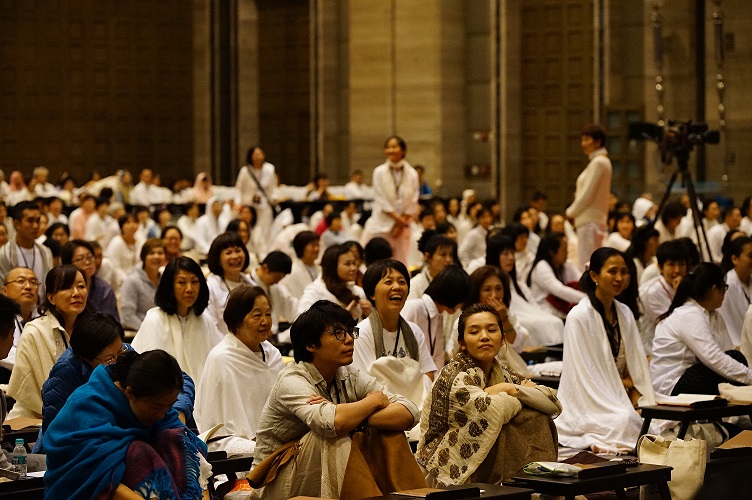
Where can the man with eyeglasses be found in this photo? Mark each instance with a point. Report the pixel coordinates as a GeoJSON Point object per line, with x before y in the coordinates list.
{"type": "Point", "coordinates": [22, 286]}
{"type": "Point", "coordinates": [23, 250]}
{"type": "Point", "coordinates": [317, 408]}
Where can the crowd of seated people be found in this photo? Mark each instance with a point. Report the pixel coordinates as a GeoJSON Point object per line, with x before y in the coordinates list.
{"type": "Point", "coordinates": [402, 319]}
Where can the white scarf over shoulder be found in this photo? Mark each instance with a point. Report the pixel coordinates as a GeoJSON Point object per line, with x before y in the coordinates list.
{"type": "Point", "coordinates": [189, 340]}
{"type": "Point", "coordinates": [234, 387]}
{"type": "Point", "coordinates": [596, 408]}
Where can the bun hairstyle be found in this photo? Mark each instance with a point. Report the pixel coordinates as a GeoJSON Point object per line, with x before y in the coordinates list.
{"type": "Point", "coordinates": [696, 285]}
{"type": "Point", "coordinates": [152, 373]}
{"type": "Point", "coordinates": [475, 309]}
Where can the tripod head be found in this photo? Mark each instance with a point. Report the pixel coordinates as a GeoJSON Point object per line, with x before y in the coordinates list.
{"type": "Point", "coordinates": [675, 140]}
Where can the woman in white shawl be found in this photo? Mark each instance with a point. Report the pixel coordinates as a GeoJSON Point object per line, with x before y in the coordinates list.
{"type": "Point", "coordinates": [202, 188]}
{"type": "Point", "coordinates": [227, 260]}
{"type": "Point", "coordinates": [239, 372]}
{"type": "Point", "coordinates": [208, 226]}
{"type": "Point", "coordinates": [739, 281]}
{"type": "Point", "coordinates": [482, 422]}
{"type": "Point", "coordinates": [395, 203]}
{"type": "Point", "coordinates": [336, 284]}
{"type": "Point", "coordinates": [256, 186]}
{"type": "Point", "coordinates": [605, 374]}
{"type": "Point", "coordinates": [177, 324]}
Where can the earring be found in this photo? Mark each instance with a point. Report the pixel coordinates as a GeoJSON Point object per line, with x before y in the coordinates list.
{"type": "Point", "coordinates": [596, 283]}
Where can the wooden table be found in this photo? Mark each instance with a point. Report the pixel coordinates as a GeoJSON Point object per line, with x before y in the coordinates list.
{"type": "Point", "coordinates": [28, 489]}
{"type": "Point", "coordinates": [687, 415]}
{"type": "Point", "coordinates": [489, 492]}
{"type": "Point", "coordinates": [570, 487]}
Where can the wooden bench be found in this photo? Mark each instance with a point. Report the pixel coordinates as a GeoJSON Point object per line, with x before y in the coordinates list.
{"type": "Point", "coordinates": [687, 415]}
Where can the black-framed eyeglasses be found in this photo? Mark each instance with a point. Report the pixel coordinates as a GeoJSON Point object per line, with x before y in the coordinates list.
{"type": "Point", "coordinates": [723, 287]}
{"type": "Point", "coordinates": [23, 281]}
{"type": "Point", "coordinates": [340, 333]}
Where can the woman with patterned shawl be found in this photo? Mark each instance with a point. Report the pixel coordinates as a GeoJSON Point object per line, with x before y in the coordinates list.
{"type": "Point", "coordinates": [118, 436]}
{"type": "Point", "coordinates": [483, 422]}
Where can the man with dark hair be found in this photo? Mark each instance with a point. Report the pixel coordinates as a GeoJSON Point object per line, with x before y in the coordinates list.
{"type": "Point", "coordinates": [304, 269]}
{"type": "Point", "coordinates": [539, 201]}
{"type": "Point", "coordinates": [731, 218]}
{"type": "Point", "coordinates": [274, 267]}
{"type": "Point", "coordinates": [656, 295]}
{"type": "Point", "coordinates": [590, 206]}
{"type": "Point", "coordinates": [23, 250]}
{"type": "Point", "coordinates": [316, 405]}
{"type": "Point", "coordinates": [22, 286]}
{"type": "Point", "coordinates": [671, 217]}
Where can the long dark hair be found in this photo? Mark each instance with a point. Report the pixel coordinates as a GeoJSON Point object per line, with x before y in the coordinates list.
{"type": "Point", "coordinates": [597, 261]}
{"type": "Point", "coordinates": [496, 244]}
{"type": "Point", "coordinates": [329, 264]}
{"type": "Point", "coordinates": [164, 298]}
{"type": "Point", "coordinates": [547, 247]}
{"type": "Point", "coordinates": [640, 238]}
{"type": "Point", "coordinates": [696, 285]}
{"type": "Point", "coordinates": [479, 277]}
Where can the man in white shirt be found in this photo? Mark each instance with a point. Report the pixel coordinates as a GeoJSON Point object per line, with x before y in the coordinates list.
{"type": "Point", "coordinates": [671, 217]}
{"type": "Point", "coordinates": [42, 188]}
{"type": "Point", "coordinates": [23, 250]}
{"type": "Point", "coordinates": [304, 269]}
{"type": "Point", "coordinates": [145, 192]}
{"type": "Point", "coordinates": [657, 294]}
{"type": "Point", "coordinates": [55, 213]}
{"type": "Point", "coordinates": [97, 227]}
{"type": "Point", "coordinates": [590, 206]}
{"type": "Point", "coordinates": [474, 244]}
{"type": "Point", "coordinates": [732, 218]}
{"type": "Point", "coordinates": [746, 224]}
{"type": "Point", "coordinates": [276, 266]}
{"type": "Point", "coordinates": [21, 285]}
{"type": "Point", "coordinates": [356, 190]}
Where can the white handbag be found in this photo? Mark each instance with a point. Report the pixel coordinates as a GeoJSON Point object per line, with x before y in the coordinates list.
{"type": "Point", "coordinates": [687, 457]}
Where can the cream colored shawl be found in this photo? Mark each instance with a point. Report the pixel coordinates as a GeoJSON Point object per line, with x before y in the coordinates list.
{"type": "Point", "coordinates": [460, 422]}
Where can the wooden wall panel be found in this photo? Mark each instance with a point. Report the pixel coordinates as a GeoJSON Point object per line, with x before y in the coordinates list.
{"type": "Point", "coordinates": [96, 85]}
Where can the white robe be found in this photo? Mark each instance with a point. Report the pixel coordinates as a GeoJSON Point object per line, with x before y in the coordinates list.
{"type": "Point", "coordinates": [300, 277]}
{"type": "Point", "coordinates": [234, 387]}
{"type": "Point", "coordinates": [544, 328]}
{"type": "Point", "coordinates": [188, 339]}
{"type": "Point", "coordinates": [596, 408]}
{"type": "Point", "coordinates": [365, 355]}
{"type": "Point", "coordinates": [735, 305]}
{"type": "Point", "coordinates": [219, 290]}
{"type": "Point", "coordinates": [317, 291]}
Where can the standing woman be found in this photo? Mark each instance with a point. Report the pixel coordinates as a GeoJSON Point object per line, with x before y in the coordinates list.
{"type": "Point", "coordinates": [177, 324]}
{"type": "Point", "coordinates": [551, 275]}
{"type": "Point", "coordinates": [256, 186]}
{"type": "Point", "coordinates": [45, 339]}
{"type": "Point", "coordinates": [102, 299]}
{"type": "Point", "coordinates": [138, 289]}
{"type": "Point", "coordinates": [692, 350]}
{"type": "Point", "coordinates": [395, 204]}
{"type": "Point", "coordinates": [336, 284]}
{"type": "Point", "coordinates": [605, 374]}
{"type": "Point", "coordinates": [227, 260]}
{"type": "Point", "coordinates": [244, 359]}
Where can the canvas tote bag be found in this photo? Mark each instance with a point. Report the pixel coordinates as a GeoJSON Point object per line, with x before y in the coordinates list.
{"type": "Point", "coordinates": [687, 457]}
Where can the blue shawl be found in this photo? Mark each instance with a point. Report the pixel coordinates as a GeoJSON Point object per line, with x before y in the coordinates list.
{"type": "Point", "coordinates": [87, 443]}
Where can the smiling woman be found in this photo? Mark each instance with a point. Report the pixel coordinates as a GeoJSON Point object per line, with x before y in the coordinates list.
{"type": "Point", "coordinates": [228, 257]}
{"type": "Point", "coordinates": [239, 372]}
{"type": "Point", "coordinates": [178, 324]}
{"type": "Point", "coordinates": [482, 414]}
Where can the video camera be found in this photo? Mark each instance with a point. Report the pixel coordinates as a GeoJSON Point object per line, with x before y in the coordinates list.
{"type": "Point", "coordinates": [676, 140]}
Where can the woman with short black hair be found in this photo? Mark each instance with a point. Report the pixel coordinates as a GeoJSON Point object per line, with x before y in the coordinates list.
{"type": "Point", "coordinates": [243, 359]}
{"type": "Point", "coordinates": [138, 289]}
{"type": "Point", "coordinates": [228, 260]}
{"type": "Point", "coordinates": [102, 299]}
{"type": "Point", "coordinates": [178, 324]}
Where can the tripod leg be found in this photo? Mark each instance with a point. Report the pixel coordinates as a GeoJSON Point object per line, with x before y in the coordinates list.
{"type": "Point", "coordinates": [666, 195]}
{"type": "Point", "coordinates": [699, 228]}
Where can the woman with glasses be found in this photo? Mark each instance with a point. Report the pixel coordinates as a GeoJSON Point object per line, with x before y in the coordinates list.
{"type": "Point", "coordinates": [244, 359]}
{"type": "Point", "coordinates": [310, 426]}
{"type": "Point", "coordinates": [138, 289]}
{"type": "Point", "coordinates": [692, 350]}
{"type": "Point", "coordinates": [102, 299]}
{"type": "Point", "coordinates": [177, 323]}
{"type": "Point", "coordinates": [97, 340]}
{"type": "Point", "coordinates": [45, 339]}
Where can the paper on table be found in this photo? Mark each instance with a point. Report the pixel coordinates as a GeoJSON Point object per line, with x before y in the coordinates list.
{"type": "Point", "coordinates": [19, 423]}
{"type": "Point", "coordinates": [684, 399]}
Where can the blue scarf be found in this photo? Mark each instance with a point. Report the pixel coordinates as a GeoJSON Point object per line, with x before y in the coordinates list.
{"type": "Point", "coordinates": [87, 442]}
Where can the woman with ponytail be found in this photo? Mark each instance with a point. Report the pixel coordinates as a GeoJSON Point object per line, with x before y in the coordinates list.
{"type": "Point", "coordinates": [605, 373]}
{"type": "Point", "coordinates": [119, 437]}
{"type": "Point", "coordinates": [692, 350]}
{"type": "Point", "coordinates": [739, 281]}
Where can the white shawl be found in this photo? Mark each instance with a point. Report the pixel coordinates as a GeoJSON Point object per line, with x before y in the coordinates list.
{"type": "Point", "coordinates": [189, 340]}
{"type": "Point", "coordinates": [597, 410]}
{"type": "Point", "coordinates": [223, 395]}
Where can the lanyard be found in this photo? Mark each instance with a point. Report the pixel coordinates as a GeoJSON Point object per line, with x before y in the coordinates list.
{"type": "Point", "coordinates": [667, 292]}
{"type": "Point", "coordinates": [431, 340]}
{"type": "Point", "coordinates": [396, 340]}
{"type": "Point", "coordinates": [263, 353]}
{"type": "Point", "coordinates": [33, 257]}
